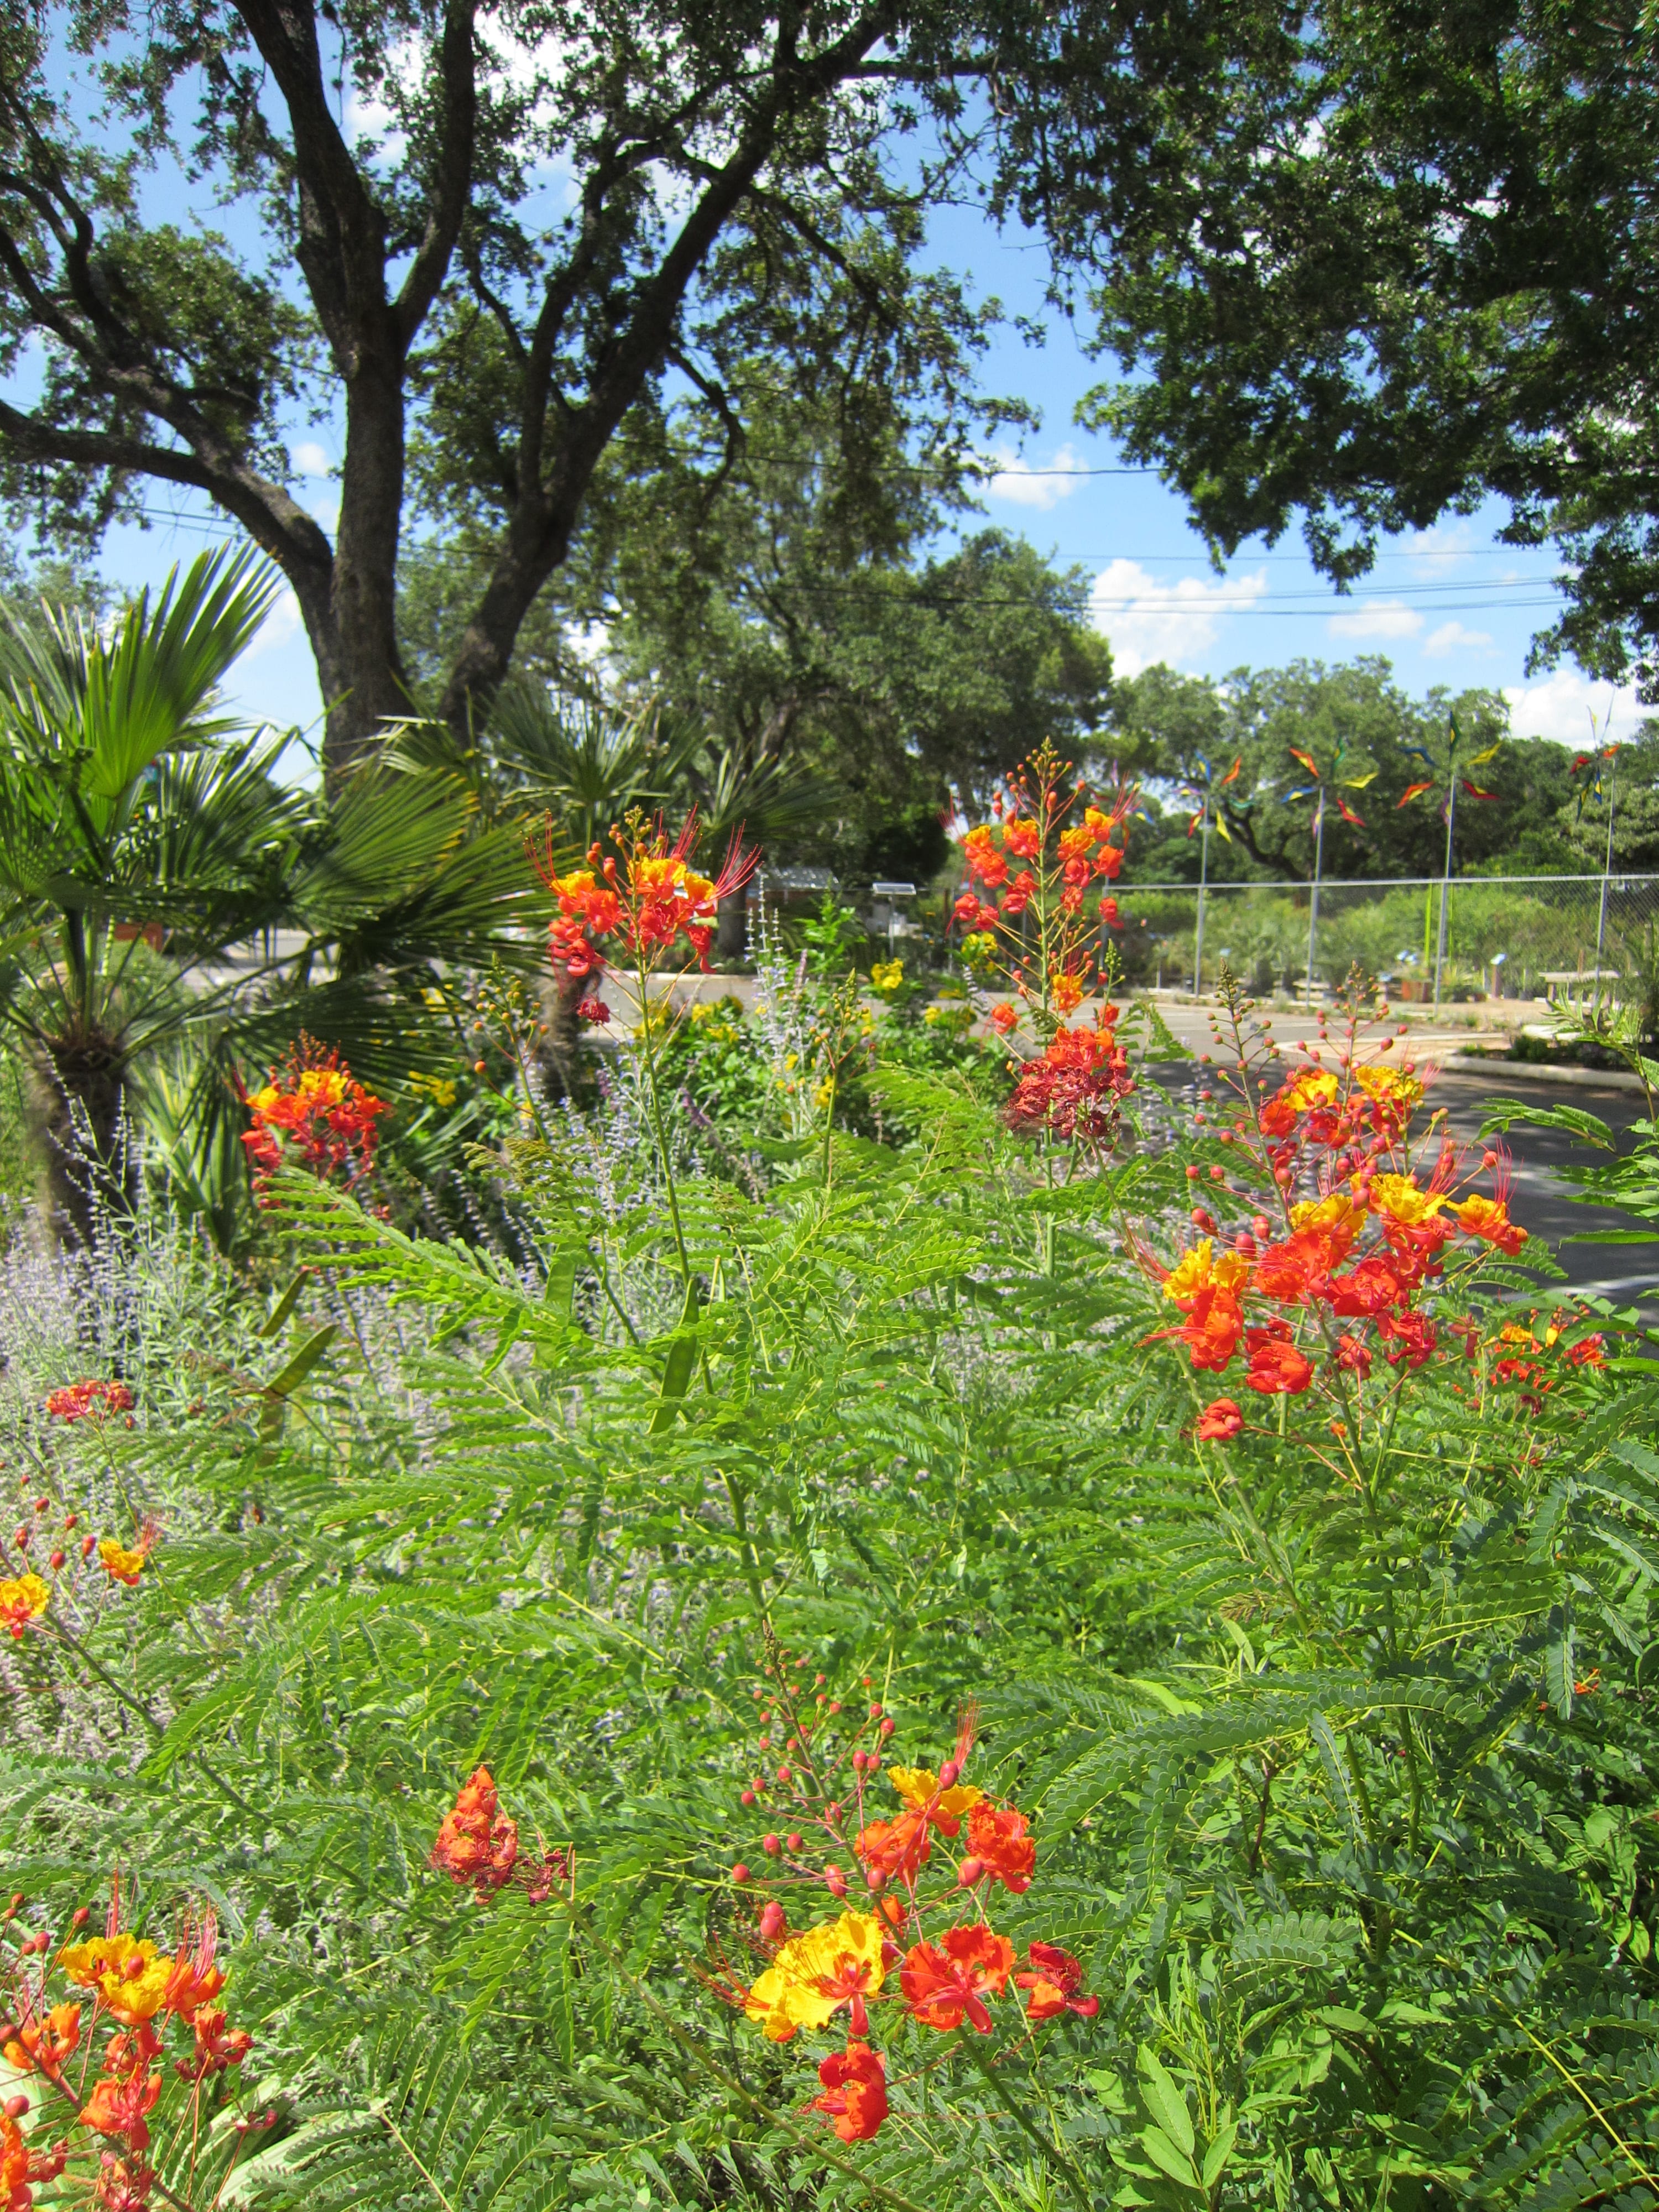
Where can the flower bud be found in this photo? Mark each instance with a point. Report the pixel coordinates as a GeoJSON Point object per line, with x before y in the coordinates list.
{"type": "Point", "coordinates": [56, 1561]}
{"type": "Point", "coordinates": [835, 1704]}
{"type": "Point", "coordinates": [741, 1872]}
{"type": "Point", "coordinates": [41, 1503]}
{"type": "Point", "coordinates": [80, 1919]}
{"type": "Point", "coordinates": [1488, 1159]}
{"type": "Point", "coordinates": [15, 2107]}
{"type": "Point", "coordinates": [874, 1881]}
{"type": "Point", "coordinates": [875, 1709]}
{"type": "Point", "coordinates": [773, 1922]}
{"type": "Point", "coordinates": [885, 1729]}
{"type": "Point", "coordinates": [21, 1540]}
{"type": "Point", "coordinates": [783, 1774]}
{"type": "Point", "coordinates": [69, 1520]}
{"type": "Point", "coordinates": [86, 1543]}
{"type": "Point", "coordinates": [745, 1797]}
{"type": "Point", "coordinates": [792, 1840]}
{"type": "Point", "coordinates": [771, 1845]}
{"type": "Point", "coordinates": [835, 1881]}
{"type": "Point", "coordinates": [969, 1872]}
{"type": "Point", "coordinates": [1192, 1174]}
{"type": "Point", "coordinates": [948, 1773]}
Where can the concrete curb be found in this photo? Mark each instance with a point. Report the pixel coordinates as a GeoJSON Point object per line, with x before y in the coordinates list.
{"type": "Point", "coordinates": [1492, 1064]}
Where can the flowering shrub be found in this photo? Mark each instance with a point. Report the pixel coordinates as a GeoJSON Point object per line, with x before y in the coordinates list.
{"type": "Point", "coordinates": [1301, 1853]}
{"type": "Point", "coordinates": [1026, 914]}
{"type": "Point", "coordinates": [1334, 1288]}
{"type": "Point", "coordinates": [894, 1955]}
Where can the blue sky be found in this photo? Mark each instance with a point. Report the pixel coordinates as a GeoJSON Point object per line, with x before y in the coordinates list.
{"type": "Point", "coordinates": [1453, 607]}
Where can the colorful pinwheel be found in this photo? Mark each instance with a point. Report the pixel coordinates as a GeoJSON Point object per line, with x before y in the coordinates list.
{"type": "Point", "coordinates": [1319, 790]}
{"type": "Point", "coordinates": [1199, 793]}
{"type": "Point", "coordinates": [1448, 779]}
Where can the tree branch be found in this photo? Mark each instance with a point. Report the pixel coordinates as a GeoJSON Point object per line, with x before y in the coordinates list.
{"type": "Point", "coordinates": [294, 540]}
{"type": "Point", "coordinates": [458, 71]}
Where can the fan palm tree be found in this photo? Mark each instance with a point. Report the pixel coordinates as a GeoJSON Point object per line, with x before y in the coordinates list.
{"type": "Point", "coordinates": [143, 836]}
{"type": "Point", "coordinates": [137, 841]}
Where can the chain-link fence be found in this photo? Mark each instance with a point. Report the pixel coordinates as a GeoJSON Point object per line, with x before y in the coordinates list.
{"type": "Point", "coordinates": [1515, 937]}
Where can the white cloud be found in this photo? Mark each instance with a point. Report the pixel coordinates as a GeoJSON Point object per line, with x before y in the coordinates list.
{"type": "Point", "coordinates": [1026, 485]}
{"type": "Point", "coordinates": [1388, 618]}
{"type": "Point", "coordinates": [310, 460]}
{"type": "Point", "coordinates": [326, 510]}
{"type": "Point", "coordinates": [1561, 707]}
{"type": "Point", "coordinates": [1452, 637]}
{"type": "Point", "coordinates": [1151, 618]}
{"type": "Point", "coordinates": [280, 627]}
{"type": "Point", "coordinates": [1438, 550]}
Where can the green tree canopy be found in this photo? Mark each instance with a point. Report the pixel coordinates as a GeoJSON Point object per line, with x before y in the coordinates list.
{"type": "Point", "coordinates": [1401, 261]}
{"type": "Point", "coordinates": [1172, 724]}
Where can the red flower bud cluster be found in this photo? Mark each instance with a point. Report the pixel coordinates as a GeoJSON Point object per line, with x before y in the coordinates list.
{"type": "Point", "coordinates": [924, 1846]}
{"type": "Point", "coordinates": [478, 1847]}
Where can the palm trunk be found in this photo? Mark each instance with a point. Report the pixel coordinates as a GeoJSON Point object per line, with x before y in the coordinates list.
{"type": "Point", "coordinates": [84, 1081]}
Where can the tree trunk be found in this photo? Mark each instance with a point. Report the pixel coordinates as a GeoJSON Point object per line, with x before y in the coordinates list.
{"type": "Point", "coordinates": [86, 1174]}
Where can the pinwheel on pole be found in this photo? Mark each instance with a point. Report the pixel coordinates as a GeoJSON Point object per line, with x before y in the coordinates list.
{"type": "Point", "coordinates": [1598, 762]}
{"type": "Point", "coordinates": [1319, 790]}
{"type": "Point", "coordinates": [1448, 779]}
{"type": "Point", "coordinates": [1200, 794]}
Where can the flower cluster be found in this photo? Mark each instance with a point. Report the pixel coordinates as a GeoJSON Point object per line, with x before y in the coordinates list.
{"type": "Point", "coordinates": [920, 1845]}
{"type": "Point", "coordinates": [477, 1847]}
{"type": "Point", "coordinates": [88, 1399]}
{"type": "Point", "coordinates": [1027, 873]}
{"type": "Point", "coordinates": [140, 1991]}
{"type": "Point", "coordinates": [24, 1598]}
{"type": "Point", "coordinates": [315, 1111]}
{"type": "Point", "coordinates": [1334, 1281]}
{"type": "Point", "coordinates": [1071, 1090]}
{"type": "Point", "coordinates": [645, 896]}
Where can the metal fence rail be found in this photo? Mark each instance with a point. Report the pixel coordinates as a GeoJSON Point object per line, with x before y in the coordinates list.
{"type": "Point", "coordinates": [1524, 937]}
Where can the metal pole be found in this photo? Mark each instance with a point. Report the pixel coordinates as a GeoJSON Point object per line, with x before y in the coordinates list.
{"type": "Point", "coordinates": [1601, 919]}
{"type": "Point", "coordinates": [1446, 884]}
{"type": "Point", "coordinates": [1203, 884]}
{"type": "Point", "coordinates": [1313, 909]}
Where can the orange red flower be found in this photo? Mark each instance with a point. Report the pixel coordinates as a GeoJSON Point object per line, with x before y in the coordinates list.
{"type": "Point", "coordinates": [1053, 1978]}
{"type": "Point", "coordinates": [1219, 1421]}
{"type": "Point", "coordinates": [88, 1399]}
{"type": "Point", "coordinates": [315, 1110]}
{"type": "Point", "coordinates": [1276, 1367]}
{"type": "Point", "coordinates": [855, 2092]}
{"type": "Point", "coordinates": [41, 2046]}
{"type": "Point", "coordinates": [1000, 1845]}
{"type": "Point", "coordinates": [947, 1982]}
{"type": "Point", "coordinates": [24, 1599]}
{"type": "Point", "coordinates": [121, 2105]}
{"type": "Point", "coordinates": [1489, 1219]}
{"type": "Point", "coordinates": [125, 1562]}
